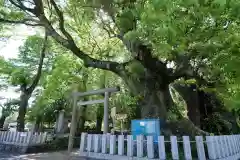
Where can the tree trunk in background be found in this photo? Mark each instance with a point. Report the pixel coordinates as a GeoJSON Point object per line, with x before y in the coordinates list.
{"type": "Point", "coordinates": [22, 111]}
{"type": "Point", "coordinates": [2, 120]}
{"type": "Point", "coordinates": [37, 125]}
{"type": "Point", "coordinates": [100, 111]}
{"type": "Point", "coordinates": [82, 119]}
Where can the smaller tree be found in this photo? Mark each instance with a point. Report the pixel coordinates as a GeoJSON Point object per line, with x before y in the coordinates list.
{"type": "Point", "coordinates": [7, 109]}
{"type": "Point", "coordinates": [25, 71]}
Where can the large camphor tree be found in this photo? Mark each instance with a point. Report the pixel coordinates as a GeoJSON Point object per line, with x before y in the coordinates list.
{"type": "Point", "coordinates": [164, 42]}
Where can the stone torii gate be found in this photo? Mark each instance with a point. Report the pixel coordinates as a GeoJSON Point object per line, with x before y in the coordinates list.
{"type": "Point", "coordinates": [76, 103]}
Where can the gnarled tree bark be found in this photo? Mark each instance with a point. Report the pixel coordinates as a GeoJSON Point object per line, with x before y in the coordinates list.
{"type": "Point", "coordinates": [191, 97]}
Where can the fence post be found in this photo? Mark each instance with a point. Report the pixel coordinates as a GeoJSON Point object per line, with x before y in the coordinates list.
{"type": "Point", "coordinates": [29, 139]}
{"type": "Point", "coordinates": [39, 136]}
{"type": "Point", "coordinates": [18, 138]}
{"type": "Point", "coordinates": [150, 147]}
{"type": "Point", "coordinates": [113, 144]}
{"type": "Point", "coordinates": [96, 143]}
{"type": "Point", "coordinates": [11, 137]}
{"type": "Point", "coordinates": [217, 146]}
{"type": "Point", "coordinates": [235, 143]}
{"type": "Point", "coordinates": [161, 148]}
{"type": "Point", "coordinates": [174, 148]}
{"type": "Point", "coordinates": [238, 140]}
{"type": "Point", "coordinates": [8, 136]}
{"type": "Point", "coordinates": [238, 143]}
{"type": "Point", "coordinates": [130, 145]}
{"type": "Point", "coordinates": [4, 136]}
{"type": "Point", "coordinates": [139, 145]}
{"type": "Point", "coordinates": [89, 142]}
{"type": "Point", "coordinates": [200, 148]}
{"type": "Point", "coordinates": [210, 147]}
{"type": "Point", "coordinates": [104, 143]}
{"type": "Point", "coordinates": [227, 147]}
{"type": "Point", "coordinates": [25, 137]}
{"type": "Point", "coordinates": [121, 145]}
{"type": "Point", "coordinates": [83, 142]}
{"type": "Point", "coordinates": [187, 148]}
{"type": "Point", "coordinates": [223, 146]}
{"type": "Point", "coordinates": [235, 146]}
{"type": "Point", "coordinates": [1, 136]}
{"type": "Point", "coordinates": [44, 138]}
{"type": "Point", "coordinates": [108, 141]}
{"type": "Point", "coordinates": [232, 144]}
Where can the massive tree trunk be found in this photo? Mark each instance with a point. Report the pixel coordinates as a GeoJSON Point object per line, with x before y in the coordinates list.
{"type": "Point", "coordinates": [156, 101]}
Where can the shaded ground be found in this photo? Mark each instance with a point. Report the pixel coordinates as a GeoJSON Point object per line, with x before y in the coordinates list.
{"type": "Point", "coordinates": [43, 156]}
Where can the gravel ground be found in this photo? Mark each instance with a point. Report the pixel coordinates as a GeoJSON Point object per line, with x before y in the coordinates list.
{"type": "Point", "coordinates": [42, 156]}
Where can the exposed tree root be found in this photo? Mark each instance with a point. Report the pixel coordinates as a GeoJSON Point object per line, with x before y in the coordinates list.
{"type": "Point", "coordinates": [184, 127]}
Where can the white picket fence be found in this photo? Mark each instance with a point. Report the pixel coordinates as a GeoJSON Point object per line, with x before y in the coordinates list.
{"type": "Point", "coordinates": [22, 138]}
{"type": "Point", "coordinates": [20, 141]}
{"type": "Point", "coordinates": [107, 146]}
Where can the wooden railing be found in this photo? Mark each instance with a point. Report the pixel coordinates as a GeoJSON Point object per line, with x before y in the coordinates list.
{"type": "Point", "coordinates": [125, 147]}
{"type": "Point", "coordinates": [20, 140]}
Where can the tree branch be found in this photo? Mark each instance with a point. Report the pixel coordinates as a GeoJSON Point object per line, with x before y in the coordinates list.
{"type": "Point", "coordinates": [70, 44]}
{"type": "Point", "coordinates": [21, 6]}
{"type": "Point", "coordinates": [138, 49]}
{"type": "Point", "coordinates": [24, 21]}
{"type": "Point", "coordinates": [67, 42]}
{"type": "Point", "coordinates": [12, 102]}
{"type": "Point", "coordinates": [61, 21]}
{"type": "Point", "coordinates": [39, 71]}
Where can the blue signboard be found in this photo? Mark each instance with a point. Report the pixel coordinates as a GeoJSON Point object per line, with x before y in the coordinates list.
{"type": "Point", "coordinates": [146, 127]}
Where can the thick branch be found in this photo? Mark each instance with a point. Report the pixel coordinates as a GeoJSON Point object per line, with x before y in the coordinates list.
{"type": "Point", "coordinates": [61, 21]}
{"type": "Point", "coordinates": [39, 71]}
{"type": "Point", "coordinates": [67, 42]}
{"type": "Point", "coordinates": [38, 9]}
{"type": "Point", "coordinates": [139, 50]}
{"type": "Point", "coordinates": [24, 21]}
{"type": "Point", "coordinates": [21, 6]}
{"type": "Point", "coordinates": [70, 44]}
{"type": "Point", "coordinates": [12, 102]}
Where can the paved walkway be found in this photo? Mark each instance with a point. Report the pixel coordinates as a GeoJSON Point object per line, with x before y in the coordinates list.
{"type": "Point", "coordinates": [43, 156]}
